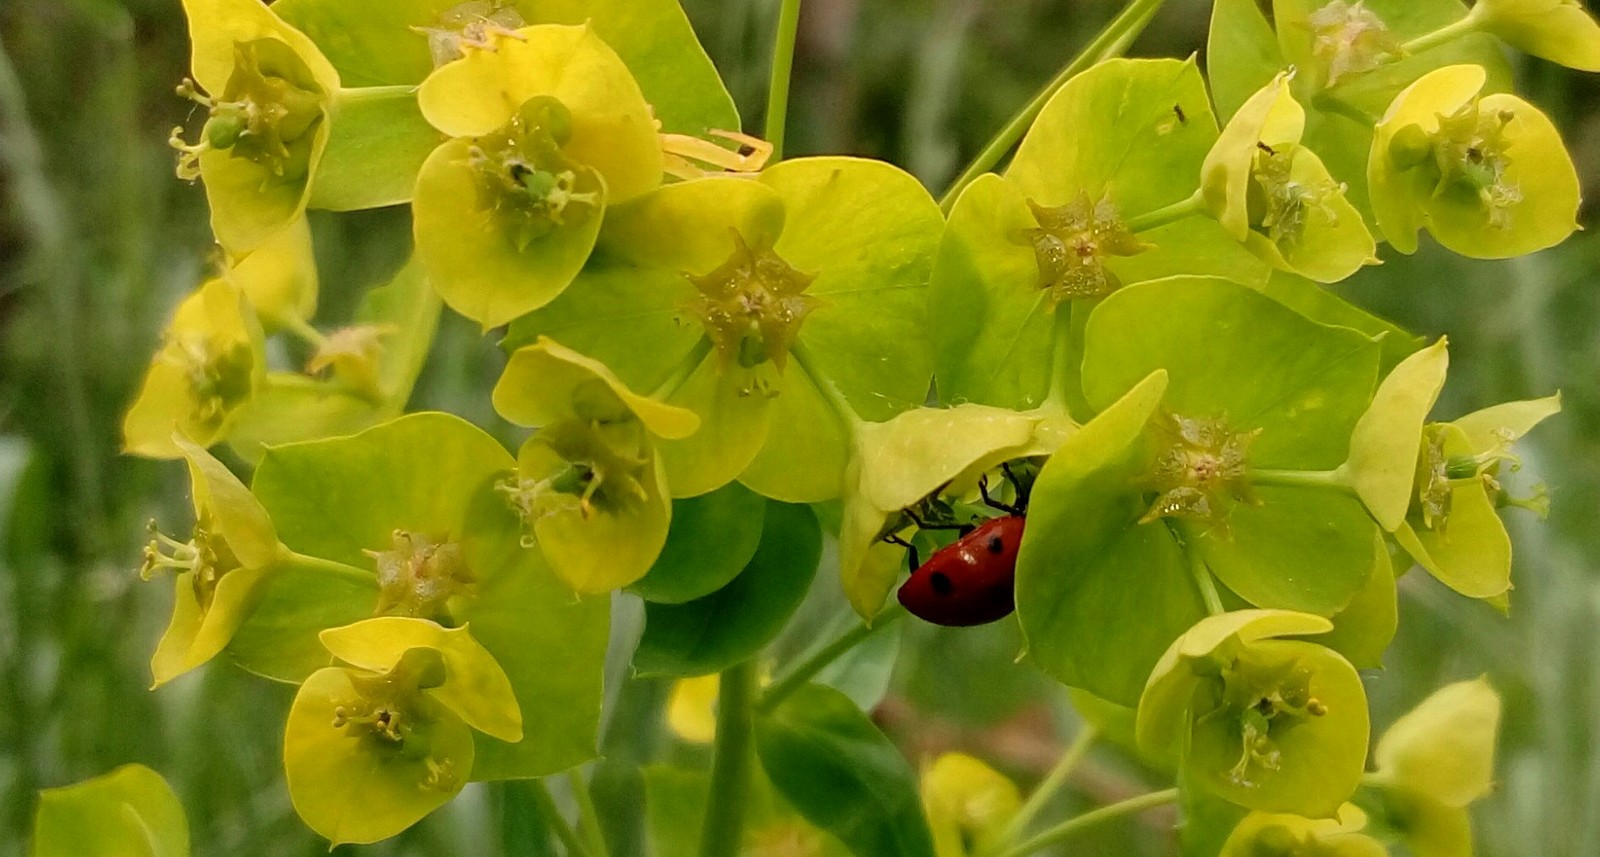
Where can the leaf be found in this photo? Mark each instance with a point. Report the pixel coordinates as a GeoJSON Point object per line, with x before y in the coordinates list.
{"type": "Point", "coordinates": [375, 149]}
{"type": "Point", "coordinates": [713, 537]}
{"type": "Point", "coordinates": [1383, 450]}
{"type": "Point", "coordinates": [842, 774]}
{"type": "Point", "coordinates": [728, 626]}
{"type": "Point", "coordinates": [1363, 629]}
{"type": "Point", "coordinates": [1324, 307]}
{"type": "Point", "coordinates": [278, 640]}
{"type": "Point", "coordinates": [130, 812]}
{"type": "Point", "coordinates": [1242, 53]}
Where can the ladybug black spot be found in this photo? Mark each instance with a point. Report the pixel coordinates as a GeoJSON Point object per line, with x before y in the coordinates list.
{"type": "Point", "coordinates": [941, 583]}
{"type": "Point", "coordinates": [996, 544]}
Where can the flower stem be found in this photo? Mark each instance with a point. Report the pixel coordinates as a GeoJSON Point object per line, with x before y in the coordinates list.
{"type": "Point", "coordinates": [683, 371]}
{"type": "Point", "coordinates": [553, 819]}
{"type": "Point", "coordinates": [1206, 584]}
{"type": "Point", "coordinates": [1448, 33]}
{"type": "Point", "coordinates": [1051, 785]}
{"type": "Point", "coordinates": [1110, 42]}
{"type": "Point", "coordinates": [588, 818]}
{"type": "Point", "coordinates": [1337, 478]}
{"type": "Point", "coordinates": [1067, 829]}
{"type": "Point", "coordinates": [808, 669]}
{"type": "Point", "coordinates": [350, 95]}
{"type": "Point", "coordinates": [730, 763]}
{"type": "Point", "coordinates": [332, 567]}
{"type": "Point", "coordinates": [782, 68]}
{"type": "Point", "coordinates": [1061, 354]}
{"type": "Point", "coordinates": [835, 400]}
{"type": "Point", "coordinates": [1189, 206]}
{"type": "Point", "coordinates": [302, 330]}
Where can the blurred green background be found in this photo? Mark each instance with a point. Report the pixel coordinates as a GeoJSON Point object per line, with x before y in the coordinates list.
{"type": "Point", "coordinates": [98, 240]}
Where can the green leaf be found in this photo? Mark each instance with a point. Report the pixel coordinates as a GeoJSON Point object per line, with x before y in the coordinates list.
{"type": "Point", "coordinates": [1325, 307]}
{"type": "Point", "coordinates": [374, 43]}
{"type": "Point", "coordinates": [1233, 352]}
{"type": "Point", "coordinates": [278, 640]}
{"type": "Point", "coordinates": [1242, 53]}
{"type": "Point", "coordinates": [375, 150]}
{"type": "Point", "coordinates": [1086, 565]}
{"type": "Point", "coordinates": [842, 774]}
{"type": "Point", "coordinates": [1363, 630]}
{"type": "Point", "coordinates": [728, 626]}
{"type": "Point", "coordinates": [1383, 450]}
{"type": "Point", "coordinates": [712, 538]}
{"type": "Point", "coordinates": [130, 812]}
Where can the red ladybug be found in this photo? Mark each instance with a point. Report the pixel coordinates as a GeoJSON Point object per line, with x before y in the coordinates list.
{"type": "Point", "coordinates": [971, 580]}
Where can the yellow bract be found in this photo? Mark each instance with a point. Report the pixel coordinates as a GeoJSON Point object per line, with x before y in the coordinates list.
{"type": "Point", "coordinates": [1561, 31]}
{"type": "Point", "coordinates": [967, 802]}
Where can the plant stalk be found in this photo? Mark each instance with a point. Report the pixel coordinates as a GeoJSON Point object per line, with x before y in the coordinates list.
{"type": "Point", "coordinates": [782, 69]}
{"type": "Point", "coordinates": [1187, 207]}
{"type": "Point", "coordinates": [808, 668]}
{"type": "Point", "coordinates": [547, 809]}
{"type": "Point", "coordinates": [730, 763]}
{"type": "Point", "coordinates": [588, 818]}
{"type": "Point", "coordinates": [1093, 818]}
{"type": "Point", "coordinates": [1051, 785]}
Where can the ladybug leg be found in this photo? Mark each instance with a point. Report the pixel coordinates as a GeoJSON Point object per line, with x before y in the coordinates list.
{"type": "Point", "coordinates": [1016, 485]}
{"type": "Point", "coordinates": [983, 488]}
{"type": "Point", "coordinates": [911, 549]}
{"type": "Point", "coordinates": [924, 525]}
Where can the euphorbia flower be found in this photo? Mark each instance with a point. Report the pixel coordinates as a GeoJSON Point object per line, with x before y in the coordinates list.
{"type": "Point", "coordinates": [1431, 764]}
{"type": "Point", "coordinates": [386, 737]}
{"type": "Point", "coordinates": [1272, 834]}
{"type": "Point", "coordinates": [549, 128]}
{"type": "Point", "coordinates": [1273, 194]}
{"type": "Point", "coordinates": [268, 92]}
{"type": "Point", "coordinates": [1271, 724]}
{"type": "Point", "coordinates": [1451, 526]}
{"type": "Point", "coordinates": [968, 804]}
{"type": "Point", "coordinates": [918, 456]}
{"type": "Point", "coordinates": [1561, 31]}
{"type": "Point", "coordinates": [220, 570]}
{"type": "Point", "coordinates": [747, 300]}
{"type": "Point", "coordinates": [279, 278]}
{"type": "Point", "coordinates": [589, 486]}
{"type": "Point", "coordinates": [210, 365]}
{"type": "Point", "coordinates": [1487, 175]}
{"type": "Point", "coordinates": [1224, 417]}
{"type": "Point", "coordinates": [418, 510]}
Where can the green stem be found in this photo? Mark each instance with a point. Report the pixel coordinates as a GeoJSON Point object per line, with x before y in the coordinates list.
{"type": "Point", "coordinates": [1337, 478]}
{"type": "Point", "coordinates": [1051, 785]}
{"type": "Point", "coordinates": [730, 763]}
{"type": "Point", "coordinates": [302, 330]}
{"type": "Point", "coordinates": [1187, 207]}
{"type": "Point", "coordinates": [1448, 33]}
{"type": "Point", "coordinates": [337, 569]}
{"type": "Point", "coordinates": [1067, 829]}
{"type": "Point", "coordinates": [683, 371]}
{"type": "Point", "coordinates": [1061, 354]}
{"type": "Point", "coordinates": [1110, 42]}
{"type": "Point", "coordinates": [830, 394]}
{"type": "Point", "coordinates": [588, 818]}
{"type": "Point", "coordinates": [814, 664]}
{"type": "Point", "coordinates": [1206, 584]}
{"type": "Point", "coordinates": [546, 806]}
{"type": "Point", "coordinates": [354, 94]}
{"type": "Point", "coordinates": [782, 68]}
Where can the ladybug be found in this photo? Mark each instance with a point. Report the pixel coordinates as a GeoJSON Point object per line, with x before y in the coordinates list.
{"type": "Point", "coordinates": [971, 580]}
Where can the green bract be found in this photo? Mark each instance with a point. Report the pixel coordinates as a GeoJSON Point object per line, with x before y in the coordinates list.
{"type": "Point", "coordinates": [1020, 251]}
{"type": "Point", "coordinates": [968, 804]}
{"type": "Point", "coordinates": [1270, 724]}
{"type": "Point", "coordinates": [589, 486]}
{"type": "Point", "coordinates": [749, 302]}
{"type": "Point", "coordinates": [210, 365]}
{"type": "Point", "coordinates": [280, 277]}
{"type": "Point", "coordinates": [416, 502]}
{"type": "Point", "coordinates": [269, 93]}
{"type": "Point", "coordinates": [1557, 30]}
{"type": "Point", "coordinates": [548, 128]}
{"type": "Point", "coordinates": [1382, 461]}
{"type": "Point", "coordinates": [1272, 193]}
{"type": "Point", "coordinates": [372, 747]}
{"type": "Point", "coordinates": [1261, 834]}
{"type": "Point", "coordinates": [1218, 462]}
{"type": "Point", "coordinates": [918, 455]}
{"type": "Point", "coordinates": [130, 812]}
{"type": "Point", "coordinates": [1451, 527]}
{"type": "Point", "coordinates": [220, 570]}
{"type": "Point", "coordinates": [1486, 175]}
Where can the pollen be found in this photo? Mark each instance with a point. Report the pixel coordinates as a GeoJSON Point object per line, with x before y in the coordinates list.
{"type": "Point", "coordinates": [206, 555]}
{"type": "Point", "coordinates": [601, 469]}
{"type": "Point", "coordinates": [1472, 152]}
{"type": "Point", "coordinates": [526, 179]}
{"type": "Point", "coordinates": [266, 113]}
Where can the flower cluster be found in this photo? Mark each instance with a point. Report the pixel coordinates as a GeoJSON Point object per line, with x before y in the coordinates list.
{"type": "Point", "coordinates": [1122, 338]}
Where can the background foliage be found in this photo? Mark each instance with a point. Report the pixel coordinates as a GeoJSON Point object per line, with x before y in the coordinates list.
{"type": "Point", "coordinates": [98, 240]}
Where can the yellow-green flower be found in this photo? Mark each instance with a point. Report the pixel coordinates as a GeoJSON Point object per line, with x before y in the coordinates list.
{"type": "Point", "coordinates": [589, 487]}
{"type": "Point", "coordinates": [209, 366]}
{"type": "Point", "coordinates": [267, 90]}
{"type": "Point", "coordinates": [385, 737]}
{"type": "Point", "coordinates": [130, 811]}
{"type": "Point", "coordinates": [1561, 31]}
{"type": "Point", "coordinates": [1275, 196]}
{"type": "Point", "coordinates": [968, 804]}
{"type": "Point", "coordinates": [220, 570]}
{"type": "Point", "coordinates": [549, 128]}
{"type": "Point", "coordinates": [1268, 834]}
{"type": "Point", "coordinates": [279, 278]}
{"type": "Point", "coordinates": [1487, 176]}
